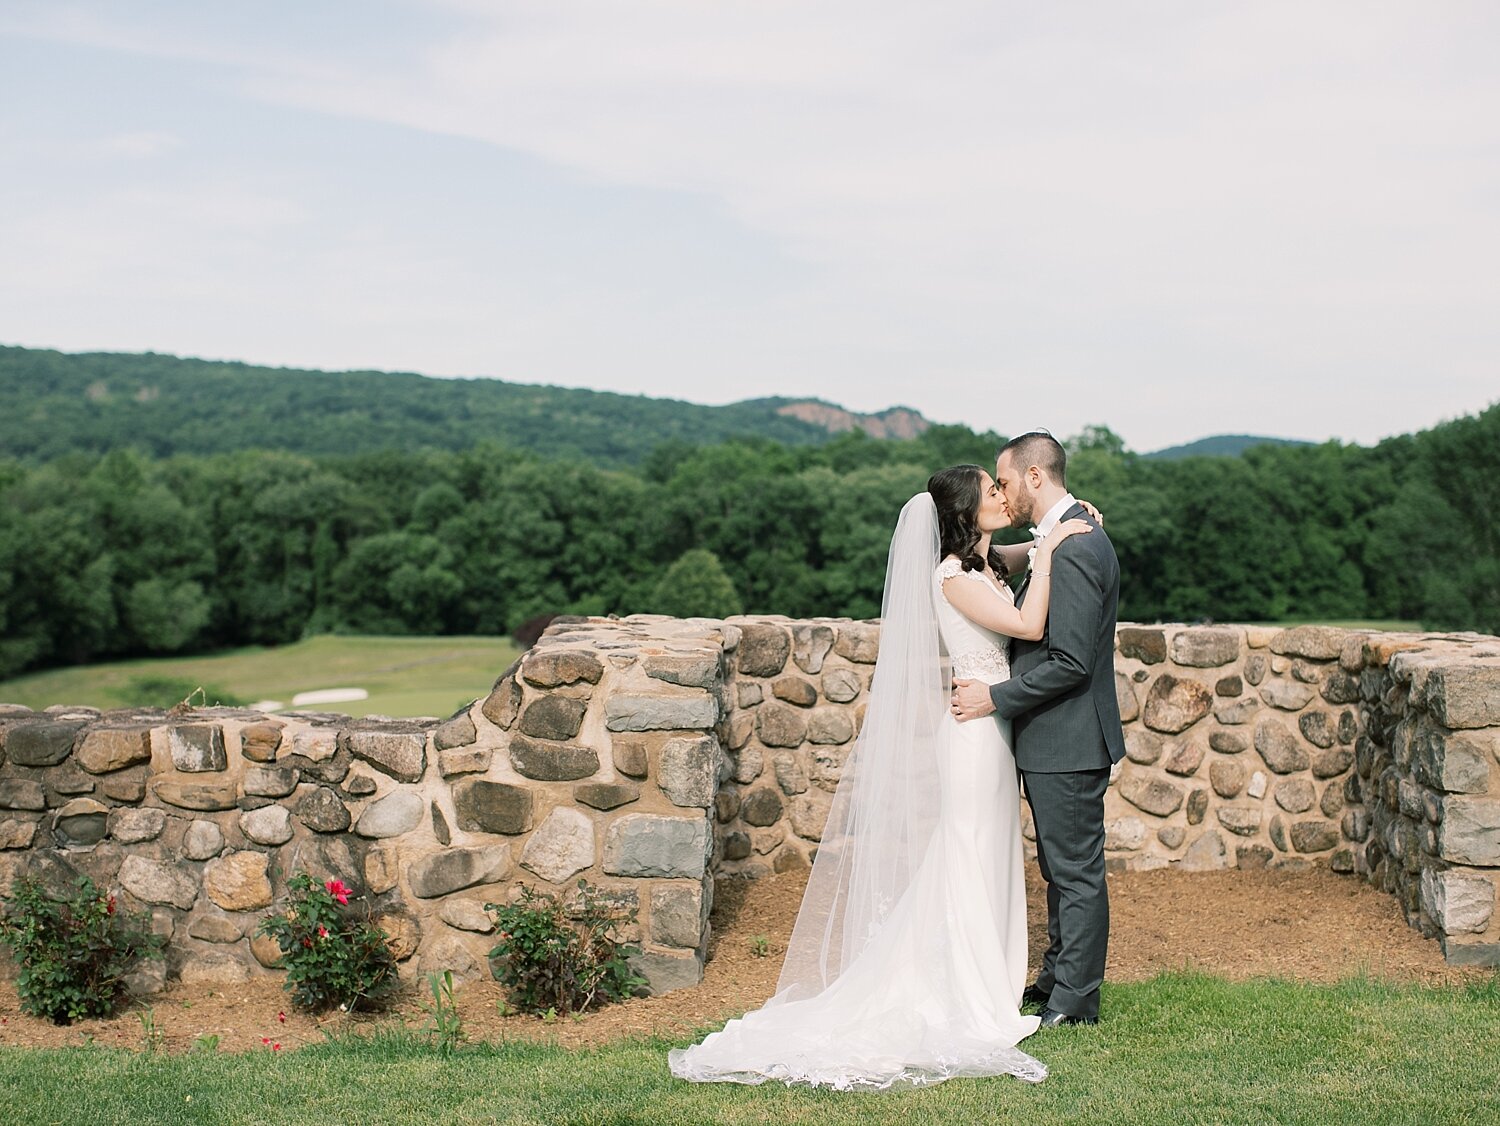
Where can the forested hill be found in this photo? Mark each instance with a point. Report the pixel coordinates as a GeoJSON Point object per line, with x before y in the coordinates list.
{"type": "Point", "coordinates": [55, 403]}
{"type": "Point", "coordinates": [1221, 445]}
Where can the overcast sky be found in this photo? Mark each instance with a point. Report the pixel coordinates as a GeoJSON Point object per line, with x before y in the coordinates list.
{"type": "Point", "coordinates": [1173, 218]}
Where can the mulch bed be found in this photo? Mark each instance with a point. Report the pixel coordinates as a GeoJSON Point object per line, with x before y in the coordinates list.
{"type": "Point", "coordinates": [1309, 926]}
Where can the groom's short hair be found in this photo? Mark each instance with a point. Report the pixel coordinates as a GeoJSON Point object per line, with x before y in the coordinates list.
{"type": "Point", "coordinates": [1040, 449]}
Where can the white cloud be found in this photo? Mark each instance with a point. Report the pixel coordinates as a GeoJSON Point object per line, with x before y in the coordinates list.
{"type": "Point", "coordinates": [140, 145]}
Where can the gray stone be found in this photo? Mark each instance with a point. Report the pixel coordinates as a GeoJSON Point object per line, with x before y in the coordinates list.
{"type": "Point", "coordinates": [1228, 742]}
{"type": "Point", "coordinates": [270, 781]}
{"type": "Point", "coordinates": [1206, 854]}
{"type": "Point", "coordinates": [1278, 833]}
{"type": "Point", "coordinates": [1295, 795]}
{"type": "Point", "coordinates": [41, 744]}
{"type": "Point", "coordinates": [1124, 834]}
{"type": "Point", "coordinates": [1205, 647]}
{"type": "Point", "coordinates": [644, 844]}
{"type": "Point", "coordinates": [1281, 750]}
{"type": "Point", "coordinates": [605, 795]}
{"type": "Point", "coordinates": [360, 785]}
{"type": "Point", "coordinates": [1341, 688]}
{"type": "Point", "coordinates": [464, 760]}
{"type": "Point", "coordinates": [794, 690]}
{"type": "Point", "coordinates": [741, 726]}
{"type": "Point", "coordinates": [1154, 795]}
{"type": "Point", "coordinates": [761, 806]}
{"type": "Point", "coordinates": [323, 812]}
{"type": "Point", "coordinates": [1229, 686]}
{"type": "Point", "coordinates": [553, 717]}
{"type": "Point", "coordinates": [1317, 728]}
{"type": "Point", "coordinates": [1308, 672]}
{"type": "Point", "coordinates": [660, 713]}
{"type": "Point", "coordinates": [1149, 646]}
{"type": "Point", "coordinates": [153, 881]}
{"type": "Point", "coordinates": [1257, 787]}
{"type": "Point", "coordinates": [1356, 825]}
{"type": "Point", "coordinates": [829, 726]}
{"type": "Point", "coordinates": [269, 825]}
{"type": "Point", "coordinates": [1185, 758]}
{"type": "Point", "coordinates": [691, 670]}
{"type": "Point", "coordinates": [790, 859]}
{"type": "Point", "coordinates": [316, 745]}
{"type": "Point", "coordinates": [80, 823]}
{"type": "Point", "coordinates": [493, 807]}
{"type": "Point", "coordinates": [677, 914]}
{"type": "Point", "coordinates": [1256, 667]}
{"type": "Point", "coordinates": [688, 770]}
{"type": "Point", "coordinates": [1485, 954]}
{"type": "Point", "coordinates": [1197, 806]}
{"type": "Point", "coordinates": [1347, 727]}
{"type": "Point", "coordinates": [1465, 695]}
{"type": "Point", "coordinates": [16, 833]}
{"type": "Point", "coordinates": [214, 969]}
{"type": "Point", "coordinates": [789, 773]}
{"type": "Point", "coordinates": [748, 765]}
{"type": "Point", "coordinates": [132, 826]}
{"type": "Point", "coordinates": [666, 972]}
{"type": "Point", "coordinates": [1227, 778]}
{"type": "Point", "coordinates": [1235, 712]}
{"type": "Point", "coordinates": [763, 649]}
{"type": "Point", "coordinates": [1287, 695]}
{"type": "Point", "coordinates": [401, 754]}
{"type": "Point", "coordinates": [629, 756]}
{"type": "Point", "coordinates": [503, 703]}
{"type": "Point", "coordinates": [550, 668]}
{"type": "Point", "coordinates": [398, 812]}
{"type": "Point", "coordinates": [454, 869]}
{"type": "Point", "coordinates": [858, 642]}
{"type": "Point", "coordinates": [736, 846]}
{"type": "Point", "coordinates": [204, 797]}
{"type": "Point", "coordinates": [69, 780]}
{"type": "Point", "coordinates": [260, 741]}
{"type": "Point", "coordinates": [810, 646]}
{"type": "Point", "coordinates": [809, 814]}
{"type": "Point", "coordinates": [113, 750]}
{"type": "Point", "coordinates": [552, 762]}
{"type": "Point", "coordinates": [1142, 746]}
{"type": "Point", "coordinates": [1470, 832]}
{"type": "Point", "coordinates": [1242, 820]}
{"type": "Point", "coordinates": [726, 806]}
{"type": "Point", "coordinates": [1459, 902]}
{"type": "Point", "coordinates": [1171, 836]}
{"type": "Point", "coordinates": [780, 726]}
{"type": "Point", "coordinates": [1314, 836]}
{"type": "Point", "coordinates": [1253, 857]}
{"type": "Point", "coordinates": [440, 830]}
{"type": "Point", "coordinates": [1125, 697]}
{"type": "Point", "coordinates": [197, 748]}
{"type": "Point", "coordinates": [1174, 704]}
{"type": "Point", "coordinates": [202, 841]}
{"type": "Point", "coordinates": [22, 793]}
{"type": "Point", "coordinates": [449, 954]}
{"type": "Point", "coordinates": [841, 685]}
{"type": "Point", "coordinates": [215, 928]}
{"type": "Point", "coordinates": [1452, 761]}
{"type": "Point", "coordinates": [456, 732]}
{"type": "Point", "coordinates": [1321, 643]}
{"type": "Point", "coordinates": [467, 915]}
{"type": "Point", "coordinates": [748, 693]}
{"type": "Point", "coordinates": [562, 846]}
{"type": "Point", "coordinates": [1332, 763]}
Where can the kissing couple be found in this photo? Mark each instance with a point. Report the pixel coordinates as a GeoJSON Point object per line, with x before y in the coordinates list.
{"type": "Point", "coordinates": [907, 964]}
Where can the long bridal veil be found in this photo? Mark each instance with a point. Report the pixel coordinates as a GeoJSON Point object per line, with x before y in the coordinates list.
{"type": "Point", "coordinates": [886, 805]}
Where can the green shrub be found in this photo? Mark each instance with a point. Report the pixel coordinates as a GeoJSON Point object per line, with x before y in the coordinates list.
{"type": "Point", "coordinates": [332, 957]}
{"type": "Point", "coordinates": [554, 963]}
{"type": "Point", "coordinates": [73, 952]}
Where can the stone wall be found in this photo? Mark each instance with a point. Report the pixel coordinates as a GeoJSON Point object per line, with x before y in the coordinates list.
{"type": "Point", "coordinates": [647, 755]}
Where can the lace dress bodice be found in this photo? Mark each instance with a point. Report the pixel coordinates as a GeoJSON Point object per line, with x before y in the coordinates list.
{"type": "Point", "coordinates": [977, 653]}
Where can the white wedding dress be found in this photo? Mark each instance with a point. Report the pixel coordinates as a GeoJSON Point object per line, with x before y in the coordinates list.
{"type": "Point", "coordinates": [934, 991]}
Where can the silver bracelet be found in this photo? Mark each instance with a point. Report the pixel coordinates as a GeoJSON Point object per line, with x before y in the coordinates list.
{"type": "Point", "coordinates": [1041, 574]}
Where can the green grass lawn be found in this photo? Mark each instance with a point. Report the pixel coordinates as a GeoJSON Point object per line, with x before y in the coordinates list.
{"type": "Point", "coordinates": [403, 675]}
{"type": "Point", "coordinates": [1180, 1049]}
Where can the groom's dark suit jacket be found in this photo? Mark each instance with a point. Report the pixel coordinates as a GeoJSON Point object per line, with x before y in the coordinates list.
{"type": "Point", "coordinates": [1061, 693]}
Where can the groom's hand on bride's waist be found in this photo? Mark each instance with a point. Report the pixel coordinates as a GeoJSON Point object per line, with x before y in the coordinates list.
{"type": "Point", "coordinates": [971, 700]}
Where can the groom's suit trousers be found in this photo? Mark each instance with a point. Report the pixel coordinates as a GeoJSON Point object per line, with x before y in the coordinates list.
{"type": "Point", "coordinates": [1068, 812]}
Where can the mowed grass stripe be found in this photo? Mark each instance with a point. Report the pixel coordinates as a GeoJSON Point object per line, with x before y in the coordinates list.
{"type": "Point", "coordinates": [1183, 1048]}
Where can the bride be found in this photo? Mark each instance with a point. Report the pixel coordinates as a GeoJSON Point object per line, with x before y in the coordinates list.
{"type": "Point", "coordinates": [908, 957]}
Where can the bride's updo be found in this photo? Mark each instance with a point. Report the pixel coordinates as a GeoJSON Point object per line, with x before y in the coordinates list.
{"type": "Point", "coordinates": [956, 491]}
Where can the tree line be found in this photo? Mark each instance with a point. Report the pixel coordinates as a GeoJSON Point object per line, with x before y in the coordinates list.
{"type": "Point", "coordinates": [121, 554]}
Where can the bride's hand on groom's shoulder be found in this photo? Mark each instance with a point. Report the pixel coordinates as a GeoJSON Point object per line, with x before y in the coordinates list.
{"type": "Point", "coordinates": [1094, 513]}
{"type": "Point", "coordinates": [1067, 528]}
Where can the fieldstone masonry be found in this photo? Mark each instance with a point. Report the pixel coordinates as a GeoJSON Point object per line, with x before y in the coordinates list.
{"type": "Point", "coordinates": [648, 755]}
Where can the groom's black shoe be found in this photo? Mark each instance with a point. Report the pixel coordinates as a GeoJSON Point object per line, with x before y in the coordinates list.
{"type": "Point", "coordinates": [1051, 1018]}
{"type": "Point", "coordinates": [1031, 995]}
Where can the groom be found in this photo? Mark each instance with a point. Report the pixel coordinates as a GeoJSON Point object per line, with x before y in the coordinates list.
{"type": "Point", "coordinates": [1066, 726]}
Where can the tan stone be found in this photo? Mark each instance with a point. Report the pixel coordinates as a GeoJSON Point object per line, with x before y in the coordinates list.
{"type": "Point", "coordinates": [381, 871]}
{"type": "Point", "coordinates": [105, 751]}
{"type": "Point", "coordinates": [237, 881]}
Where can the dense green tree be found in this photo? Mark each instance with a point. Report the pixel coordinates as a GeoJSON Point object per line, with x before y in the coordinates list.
{"type": "Point", "coordinates": [696, 587]}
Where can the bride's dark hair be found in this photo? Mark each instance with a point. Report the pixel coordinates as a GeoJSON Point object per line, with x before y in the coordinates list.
{"type": "Point", "coordinates": [956, 492]}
